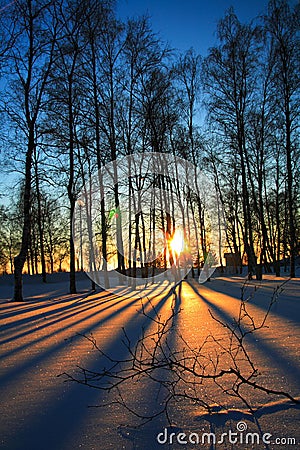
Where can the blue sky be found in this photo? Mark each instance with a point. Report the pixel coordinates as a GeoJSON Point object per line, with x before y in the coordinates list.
{"type": "Point", "coordinates": [189, 23]}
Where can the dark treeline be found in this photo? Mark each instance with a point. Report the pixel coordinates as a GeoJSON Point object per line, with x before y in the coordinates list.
{"type": "Point", "coordinates": [80, 88]}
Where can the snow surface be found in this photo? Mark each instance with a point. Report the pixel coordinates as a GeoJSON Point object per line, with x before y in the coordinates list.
{"type": "Point", "coordinates": [44, 336]}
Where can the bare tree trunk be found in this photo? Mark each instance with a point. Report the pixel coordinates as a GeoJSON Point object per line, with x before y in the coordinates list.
{"type": "Point", "coordinates": [71, 193]}
{"type": "Point", "coordinates": [98, 157]}
{"type": "Point", "coordinates": [40, 219]}
{"type": "Point", "coordinates": [292, 229]}
{"type": "Point", "coordinates": [20, 259]}
{"type": "Point", "coordinates": [278, 226]}
{"type": "Point", "coordinates": [33, 83]}
{"type": "Point", "coordinates": [282, 24]}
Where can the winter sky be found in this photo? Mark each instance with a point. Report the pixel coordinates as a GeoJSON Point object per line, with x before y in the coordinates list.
{"type": "Point", "coordinates": [190, 23]}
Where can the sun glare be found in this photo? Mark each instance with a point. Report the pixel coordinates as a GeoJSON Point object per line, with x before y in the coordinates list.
{"type": "Point", "coordinates": [177, 242]}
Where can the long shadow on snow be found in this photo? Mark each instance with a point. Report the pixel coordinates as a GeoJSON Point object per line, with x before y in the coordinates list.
{"type": "Point", "coordinates": [280, 306]}
{"type": "Point", "coordinates": [71, 301]}
{"type": "Point", "coordinates": [270, 351]}
{"type": "Point", "coordinates": [17, 309]}
{"type": "Point", "coordinates": [38, 359]}
{"type": "Point", "coordinates": [52, 312]}
{"type": "Point", "coordinates": [153, 394]}
{"type": "Point", "coordinates": [59, 417]}
{"type": "Point", "coordinates": [58, 313]}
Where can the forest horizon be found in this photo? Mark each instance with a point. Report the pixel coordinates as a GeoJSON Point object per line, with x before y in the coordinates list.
{"type": "Point", "coordinates": [82, 91]}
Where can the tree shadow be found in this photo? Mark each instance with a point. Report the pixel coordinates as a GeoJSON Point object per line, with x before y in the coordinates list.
{"type": "Point", "coordinates": [66, 413]}
{"type": "Point", "coordinates": [280, 360]}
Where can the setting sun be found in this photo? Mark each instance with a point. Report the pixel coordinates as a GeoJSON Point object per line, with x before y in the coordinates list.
{"type": "Point", "coordinates": [177, 242]}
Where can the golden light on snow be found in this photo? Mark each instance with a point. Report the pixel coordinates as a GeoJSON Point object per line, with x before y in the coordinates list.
{"type": "Point", "coordinates": [177, 242]}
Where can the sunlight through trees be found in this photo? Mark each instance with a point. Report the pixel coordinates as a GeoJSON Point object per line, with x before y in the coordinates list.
{"type": "Point", "coordinates": [81, 89]}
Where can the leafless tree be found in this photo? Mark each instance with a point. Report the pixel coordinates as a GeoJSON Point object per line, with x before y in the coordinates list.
{"type": "Point", "coordinates": [229, 82]}
{"type": "Point", "coordinates": [282, 25]}
{"type": "Point", "coordinates": [31, 59]}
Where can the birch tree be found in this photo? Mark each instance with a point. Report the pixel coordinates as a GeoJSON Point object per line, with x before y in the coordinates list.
{"type": "Point", "coordinates": [229, 84]}
{"type": "Point", "coordinates": [30, 63]}
{"type": "Point", "coordinates": [282, 25]}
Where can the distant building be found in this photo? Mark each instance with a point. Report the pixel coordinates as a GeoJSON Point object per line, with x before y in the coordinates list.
{"type": "Point", "coordinates": [233, 262]}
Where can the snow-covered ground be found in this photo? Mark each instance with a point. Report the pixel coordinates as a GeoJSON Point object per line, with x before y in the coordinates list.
{"type": "Point", "coordinates": [44, 337]}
